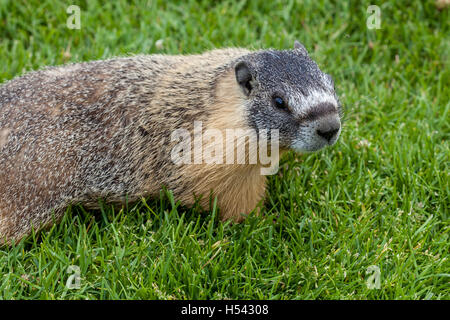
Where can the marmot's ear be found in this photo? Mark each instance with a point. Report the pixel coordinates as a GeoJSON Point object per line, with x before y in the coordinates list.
{"type": "Point", "coordinates": [244, 77]}
{"type": "Point", "coordinates": [298, 46]}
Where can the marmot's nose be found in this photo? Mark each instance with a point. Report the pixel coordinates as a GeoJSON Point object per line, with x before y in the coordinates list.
{"type": "Point", "coordinates": [328, 134]}
{"type": "Point", "coordinates": [328, 128]}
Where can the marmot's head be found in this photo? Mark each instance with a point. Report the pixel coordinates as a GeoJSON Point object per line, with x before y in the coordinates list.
{"type": "Point", "coordinates": [286, 90]}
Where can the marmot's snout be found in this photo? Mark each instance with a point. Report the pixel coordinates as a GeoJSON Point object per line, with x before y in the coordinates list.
{"type": "Point", "coordinates": [329, 129]}
{"type": "Point", "coordinates": [325, 126]}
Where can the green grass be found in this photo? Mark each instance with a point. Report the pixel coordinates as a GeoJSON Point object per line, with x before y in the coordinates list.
{"type": "Point", "coordinates": [379, 197]}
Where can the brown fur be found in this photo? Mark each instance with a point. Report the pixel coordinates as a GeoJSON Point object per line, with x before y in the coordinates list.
{"type": "Point", "coordinates": [80, 132]}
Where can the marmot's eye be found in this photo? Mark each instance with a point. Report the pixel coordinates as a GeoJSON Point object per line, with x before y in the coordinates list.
{"type": "Point", "coordinates": [279, 103]}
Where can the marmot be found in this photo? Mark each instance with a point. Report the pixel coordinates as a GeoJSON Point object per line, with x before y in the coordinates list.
{"type": "Point", "coordinates": [76, 133]}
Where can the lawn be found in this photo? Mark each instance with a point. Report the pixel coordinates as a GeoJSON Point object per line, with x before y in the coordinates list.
{"type": "Point", "coordinates": [373, 206]}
